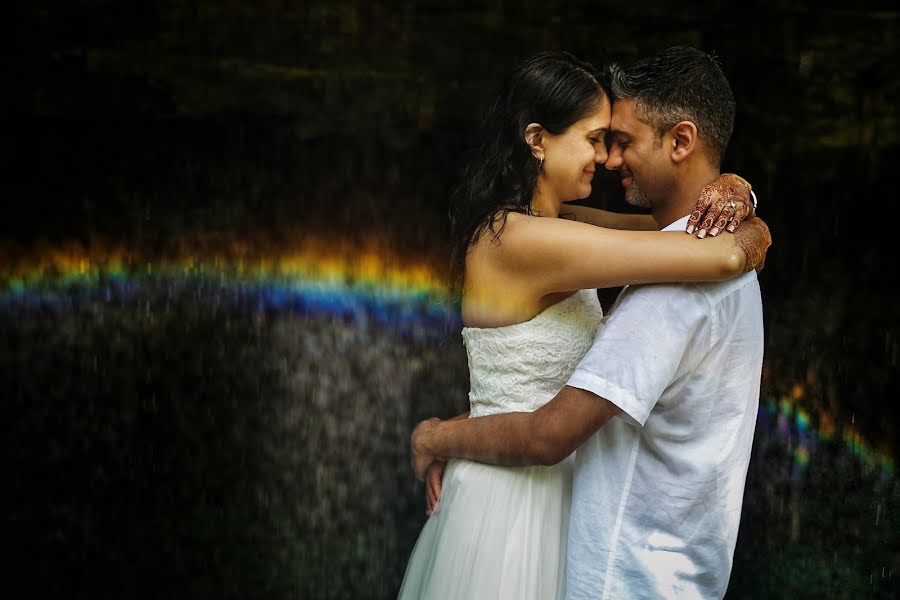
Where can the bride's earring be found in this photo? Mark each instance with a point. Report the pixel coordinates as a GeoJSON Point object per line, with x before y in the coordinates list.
{"type": "Point", "coordinates": [541, 163]}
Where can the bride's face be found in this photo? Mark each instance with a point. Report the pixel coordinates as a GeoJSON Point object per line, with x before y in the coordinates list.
{"type": "Point", "coordinates": [571, 158]}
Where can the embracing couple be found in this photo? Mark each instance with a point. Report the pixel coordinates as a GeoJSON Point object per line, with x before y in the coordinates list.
{"type": "Point", "coordinates": [659, 398]}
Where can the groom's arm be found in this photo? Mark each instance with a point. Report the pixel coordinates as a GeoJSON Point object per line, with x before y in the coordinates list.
{"type": "Point", "coordinates": [543, 437]}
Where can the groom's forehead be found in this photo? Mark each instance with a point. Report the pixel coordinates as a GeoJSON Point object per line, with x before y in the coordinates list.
{"type": "Point", "coordinates": [623, 119]}
{"type": "Point", "coordinates": [623, 109]}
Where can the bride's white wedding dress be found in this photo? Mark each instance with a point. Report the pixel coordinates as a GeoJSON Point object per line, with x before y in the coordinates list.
{"type": "Point", "coordinates": [500, 532]}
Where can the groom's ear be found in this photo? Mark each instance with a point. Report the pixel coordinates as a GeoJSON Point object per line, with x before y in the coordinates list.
{"type": "Point", "coordinates": [534, 137]}
{"type": "Point", "coordinates": [683, 138]}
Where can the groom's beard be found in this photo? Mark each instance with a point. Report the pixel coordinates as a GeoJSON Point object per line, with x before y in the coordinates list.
{"type": "Point", "coordinates": [635, 197]}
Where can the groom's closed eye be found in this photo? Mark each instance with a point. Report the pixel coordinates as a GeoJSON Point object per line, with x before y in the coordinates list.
{"type": "Point", "coordinates": [616, 138]}
{"type": "Point", "coordinates": [619, 140]}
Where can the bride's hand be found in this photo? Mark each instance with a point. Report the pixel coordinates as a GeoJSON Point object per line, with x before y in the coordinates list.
{"type": "Point", "coordinates": [754, 239]}
{"type": "Point", "coordinates": [434, 475]}
{"type": "Point", "coordinates": [722, 206]}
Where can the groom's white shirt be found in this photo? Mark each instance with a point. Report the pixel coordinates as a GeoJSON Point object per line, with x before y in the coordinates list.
{"type": "Point", "coordinates": [658, 490]}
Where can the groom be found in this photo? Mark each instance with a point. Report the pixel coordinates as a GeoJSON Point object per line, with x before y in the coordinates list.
{"type": "Point", "coordinates": [663, 406]}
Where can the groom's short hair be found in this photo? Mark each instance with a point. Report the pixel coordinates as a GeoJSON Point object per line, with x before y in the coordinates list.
{"type": "Point", "coordinates": [680, 84]}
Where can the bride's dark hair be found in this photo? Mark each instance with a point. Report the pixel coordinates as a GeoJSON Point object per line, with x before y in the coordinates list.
{"type": "Point", "coordinates": [554, 89]}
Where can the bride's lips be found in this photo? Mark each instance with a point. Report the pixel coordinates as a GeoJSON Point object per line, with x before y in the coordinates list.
{"type": "Point", "coordinates": [590, 174]}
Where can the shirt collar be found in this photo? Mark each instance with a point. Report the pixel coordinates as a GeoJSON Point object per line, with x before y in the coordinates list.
{"type": "Point", "coordinates": [679, 225]}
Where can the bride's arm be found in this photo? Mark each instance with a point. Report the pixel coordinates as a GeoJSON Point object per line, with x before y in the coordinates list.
{"type": "Point", "coordinates": [555, 255]}
{"type": "Point", "coordinates": [607, 218]}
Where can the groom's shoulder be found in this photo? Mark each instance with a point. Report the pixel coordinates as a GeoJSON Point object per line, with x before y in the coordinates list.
{"type": "Point", "coordinates": [663, 299]}
{"type": "Point", "coordinates": [717, 291]}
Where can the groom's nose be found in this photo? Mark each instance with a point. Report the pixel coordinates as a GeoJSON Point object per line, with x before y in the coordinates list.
{"type": "Point", "coordinates": [614, 160]}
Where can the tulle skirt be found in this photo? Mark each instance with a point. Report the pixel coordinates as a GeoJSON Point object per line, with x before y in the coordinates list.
{"type": "Point", "coordinates": [497, 533]}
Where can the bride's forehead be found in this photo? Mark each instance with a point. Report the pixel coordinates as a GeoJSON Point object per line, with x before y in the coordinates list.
{"type": "Point", "coordinates": [597, 120]}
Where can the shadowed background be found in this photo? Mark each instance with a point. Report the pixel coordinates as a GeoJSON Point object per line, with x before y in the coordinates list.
{"type": "Point", "coordinates": [224, 300]}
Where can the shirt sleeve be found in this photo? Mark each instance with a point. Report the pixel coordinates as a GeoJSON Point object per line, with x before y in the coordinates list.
{"type": "Point", "coordinates": [637, 352]}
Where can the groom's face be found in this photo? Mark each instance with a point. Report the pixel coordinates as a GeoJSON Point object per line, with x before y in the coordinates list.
{"type": "Point", "coordinates": [636, 152]}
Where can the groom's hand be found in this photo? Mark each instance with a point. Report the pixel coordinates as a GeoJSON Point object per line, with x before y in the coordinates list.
{"type": "Point", "coordinates": [434, 477]}
{"type": "Point", "coordinates": [420, 460]}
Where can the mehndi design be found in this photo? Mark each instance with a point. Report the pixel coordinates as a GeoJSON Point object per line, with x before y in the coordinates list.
{"type": "Point", "coordinates": [754, 239]}
{"type": "Point", "coordinates": [722, 206]}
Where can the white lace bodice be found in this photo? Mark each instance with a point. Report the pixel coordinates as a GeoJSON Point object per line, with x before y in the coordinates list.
{"type": "Point", "coordinates": [521, 367]}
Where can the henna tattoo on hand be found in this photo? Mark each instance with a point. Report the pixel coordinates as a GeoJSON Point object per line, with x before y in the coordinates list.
{"type": "Point", "coordinates": [754, 239]}
{"type": "Point", "coordinates": [737, 190]}
{"type": "Point", "coordinates": [723, 205]}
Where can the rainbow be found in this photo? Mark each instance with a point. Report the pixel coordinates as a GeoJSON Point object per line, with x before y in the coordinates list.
{"type": "Point", "coordinates": [787, 419]}
{"type": "Point", "coordinates": [309, 276]}
{"type": "Point", "coordinates": [361, 281]}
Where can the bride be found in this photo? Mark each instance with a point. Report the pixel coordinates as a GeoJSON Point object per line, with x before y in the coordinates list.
{"type": "Point", "coordinates": [530, 312]}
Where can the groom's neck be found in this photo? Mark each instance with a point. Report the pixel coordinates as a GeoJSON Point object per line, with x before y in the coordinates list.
{"type": "Point", "coordinates": [685, 193]}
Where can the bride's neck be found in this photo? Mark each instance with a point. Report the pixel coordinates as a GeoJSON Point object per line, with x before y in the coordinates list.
{"type": "Point", "coordinates": [544, 203]}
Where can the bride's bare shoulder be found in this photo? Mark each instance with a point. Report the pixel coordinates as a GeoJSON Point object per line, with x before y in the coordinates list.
{"type": "Point", "coordinates": [519, 232]}
{"type": "Point", "coordinates": [507, 227]}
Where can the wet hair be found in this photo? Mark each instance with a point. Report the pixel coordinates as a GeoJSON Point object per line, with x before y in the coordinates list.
{"type": "Point", "coordinates": [554, 89]}
{"type": "Point", "coordinates": [680, 84]}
